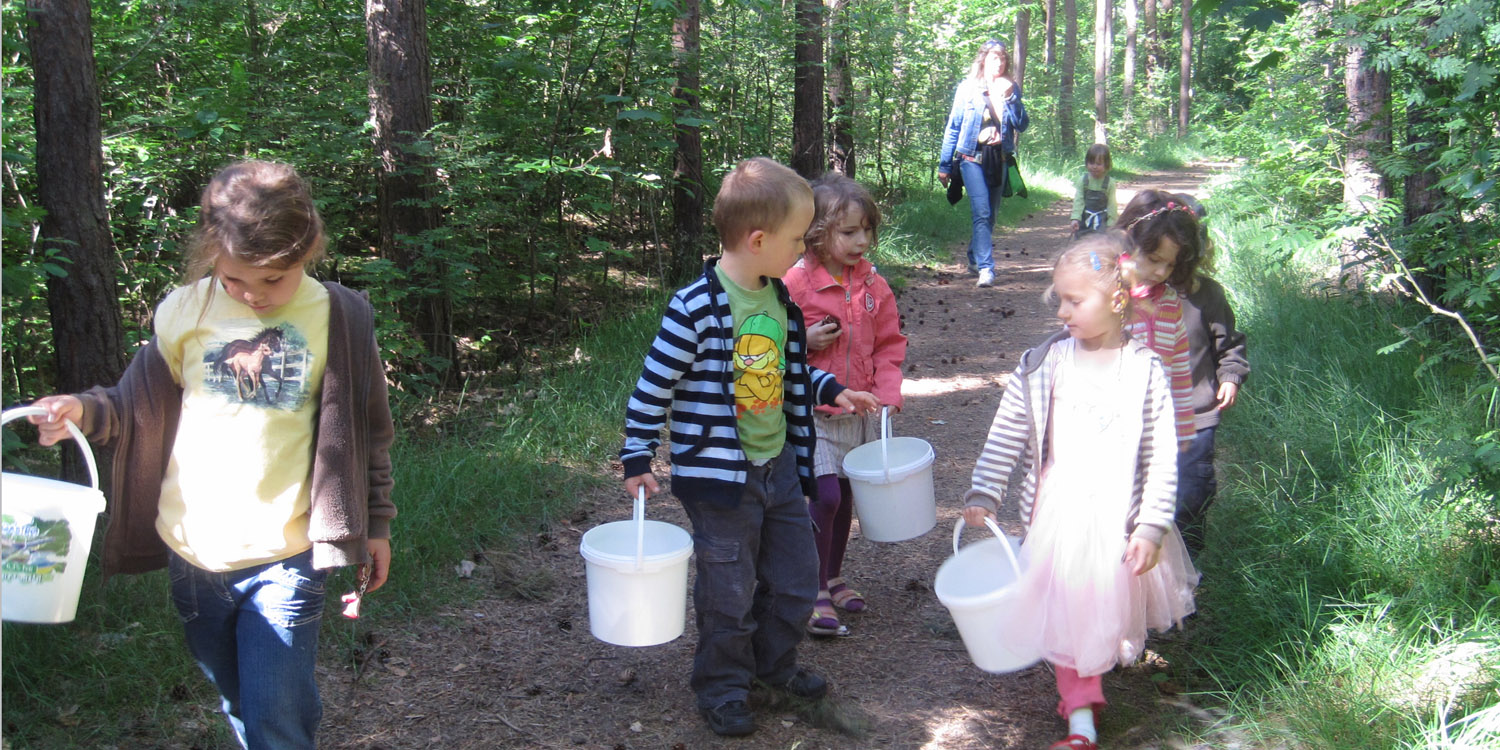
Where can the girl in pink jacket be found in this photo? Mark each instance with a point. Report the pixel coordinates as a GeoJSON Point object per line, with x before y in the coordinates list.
{"type": "Point", "coordinates": [854, 332]}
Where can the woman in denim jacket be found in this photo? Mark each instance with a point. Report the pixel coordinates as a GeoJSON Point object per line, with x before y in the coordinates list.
{"type": "Point", "coordinates": [970, 125]}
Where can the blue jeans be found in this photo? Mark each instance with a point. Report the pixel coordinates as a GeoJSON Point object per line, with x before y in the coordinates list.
{"type": "Point", "coordinates": [1196, 486]}
{"type": "Point", "coordinates": [757, 570]}
{"type": "Point", "coordinates": [984, 202]}
{"type": "Point", "coordinates": [254, 632]}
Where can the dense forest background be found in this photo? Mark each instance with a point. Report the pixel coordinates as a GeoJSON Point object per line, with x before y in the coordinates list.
{"type": "Point", "coordinates": [507, 173]}
{"type": "Point", "coordinates": [511, 180]}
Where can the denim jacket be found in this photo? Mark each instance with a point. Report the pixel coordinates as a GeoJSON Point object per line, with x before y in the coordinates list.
{"type": "Point", "coordinates": [967, 118]}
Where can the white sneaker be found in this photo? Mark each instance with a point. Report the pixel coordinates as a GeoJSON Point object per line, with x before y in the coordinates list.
{"type": "Point", "coordinates": [986, 278]}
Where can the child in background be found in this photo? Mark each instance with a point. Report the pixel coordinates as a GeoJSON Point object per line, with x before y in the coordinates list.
{"type": "Point", "coordinates": [249, 495]}
{"type": "Point", "coordinates": [1219, 369]}
{"type": "Point", "coordinates": [729, 365]}
{"type": "Point", "coordinates": [1094, 206]}
{"type": "Point", "coordinates": [1087, 416]}
{"type": "Point", "coordinates": [1166, 247]}
{"type": "Point", "coordinates": [859, 340]}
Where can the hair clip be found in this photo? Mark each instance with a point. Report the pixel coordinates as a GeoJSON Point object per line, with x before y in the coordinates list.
{"type": "Point", "coordinates": [1094, 261]}
{"type": "Point", "coordinates": [1171, 206]}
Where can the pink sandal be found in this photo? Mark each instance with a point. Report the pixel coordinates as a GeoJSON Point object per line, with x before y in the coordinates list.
{"type": "Point", "coordinates": [844, 597]}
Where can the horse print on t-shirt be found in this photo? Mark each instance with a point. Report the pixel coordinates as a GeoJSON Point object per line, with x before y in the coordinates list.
{"type": "Point", "coordinates": [242, 368]}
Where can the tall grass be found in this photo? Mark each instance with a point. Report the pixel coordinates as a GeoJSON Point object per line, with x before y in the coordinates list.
{"type": "Point", "coordinates": [1349, 594]}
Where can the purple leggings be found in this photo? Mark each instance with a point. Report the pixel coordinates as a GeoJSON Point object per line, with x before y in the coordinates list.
{"type": "Point", "coordinates": [832, 513]}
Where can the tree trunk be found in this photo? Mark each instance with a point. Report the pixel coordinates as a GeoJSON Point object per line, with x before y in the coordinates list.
{"type": "Point", "coordinates": [401, 112]}
{"type": "Point", "coordinates": [1156, 73]}
{"type": "Point", "coordinates": [86, 329]}
{"type": "Point", "coordinates": [687, 173]}
{"type": "Point", "coordinates": [1023, 33]}
{"type": "Point", "coordinates": [1069, 68]}
{"type": "Point", "coordinates": [840, 91]}
{"type": "Point", "coordinates": [1368, 92]}
{"type": "Point", "coordinates": [1050, 56]}
{"type": "Point", "coordinates": [808, 156]}
{"type": "Point", "coordinates": [1185, 72]}
{"type": "Point", "coordinates": [1102, 50]}
{"type": "Point", "coordinates": [1132, 20]}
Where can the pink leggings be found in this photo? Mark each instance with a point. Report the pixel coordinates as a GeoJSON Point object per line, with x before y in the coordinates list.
{"type": "Point", "coordinates": [1077, 692]}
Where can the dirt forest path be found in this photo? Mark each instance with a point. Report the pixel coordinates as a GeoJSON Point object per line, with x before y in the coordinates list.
{"type": "Point", "coordinates": [520, 670]}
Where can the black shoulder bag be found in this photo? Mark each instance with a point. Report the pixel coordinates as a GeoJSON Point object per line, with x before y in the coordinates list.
{"type": "Point", "coordinates": [1001, 169]}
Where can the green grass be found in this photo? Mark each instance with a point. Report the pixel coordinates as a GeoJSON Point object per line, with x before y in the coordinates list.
{"type": "Point", "coordinates": [1349, 595]}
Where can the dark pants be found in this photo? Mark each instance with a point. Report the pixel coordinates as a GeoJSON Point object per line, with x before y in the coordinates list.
{"type": "Point", "coordinates": [1196, 487]}
{"type": "Point", "coordinates": [757, 577]}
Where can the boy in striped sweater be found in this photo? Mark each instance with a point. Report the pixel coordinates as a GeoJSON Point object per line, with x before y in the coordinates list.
{"type": "Point", "coordinates": [730, 365]}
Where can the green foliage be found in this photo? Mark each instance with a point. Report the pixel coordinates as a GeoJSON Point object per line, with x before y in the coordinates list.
{"type": "Point", "coordinates": [1349, 586]}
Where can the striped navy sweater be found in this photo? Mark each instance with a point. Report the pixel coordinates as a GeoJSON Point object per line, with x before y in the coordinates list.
{"type": "Point", "coordinates": [689, 372]}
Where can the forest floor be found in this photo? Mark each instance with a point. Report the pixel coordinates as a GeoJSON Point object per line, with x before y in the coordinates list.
{"type": "Point", "coordinates": [520, 670]}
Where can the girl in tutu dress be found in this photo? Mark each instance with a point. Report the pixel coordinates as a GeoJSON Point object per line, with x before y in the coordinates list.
{"type": "Point", "coordinates": [1088, 418]}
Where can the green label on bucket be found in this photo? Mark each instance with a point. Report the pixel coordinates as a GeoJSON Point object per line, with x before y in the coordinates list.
{"type": "Point", "coordinates": [35, 551]}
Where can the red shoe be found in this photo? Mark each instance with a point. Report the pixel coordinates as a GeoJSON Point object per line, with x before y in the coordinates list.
{"type": "Point", "coordinates": [1074, 742]}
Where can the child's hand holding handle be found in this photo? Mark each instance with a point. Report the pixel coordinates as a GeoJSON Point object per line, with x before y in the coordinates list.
{"type": "Point", "coordinates": [974, 515]}
{"type": "Point", "coordinates": [53, 428]}
{"type": "Point", "coordinates": [634, 484]}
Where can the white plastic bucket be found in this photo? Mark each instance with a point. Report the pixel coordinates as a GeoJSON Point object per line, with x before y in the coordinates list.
{"type": "Point", "coordinates": [976, 586]}
{"type": "Point", "coordinates": [48, 527]}
{"type": "Point", "coordinates": [637, 575]}
{"type": "Point", "coordinates": [892, 483]}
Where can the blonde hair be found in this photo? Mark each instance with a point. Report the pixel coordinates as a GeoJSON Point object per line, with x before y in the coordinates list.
{"type": "Point", "coordinates": [834, 195]}
{"type": "Point", "coordinates": [758, 194]}
{"type": "Point", "coordinates": [259, 213]}
{"type": "Point", "coordinates": [1098, 255]}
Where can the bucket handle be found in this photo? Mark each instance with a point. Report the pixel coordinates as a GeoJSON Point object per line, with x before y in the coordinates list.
{"type": "Point", "coordinates": [83, 443]}
{"type": "Point", "coordinates": [639, 516]}
{"type": "Point", "coordinates": [885, 437]}
{"type": "Point", "coordinates": [958, 530]}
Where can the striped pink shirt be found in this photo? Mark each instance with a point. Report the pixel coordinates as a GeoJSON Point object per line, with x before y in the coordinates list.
{"type": "Point", "coordinates": [1156, 321]}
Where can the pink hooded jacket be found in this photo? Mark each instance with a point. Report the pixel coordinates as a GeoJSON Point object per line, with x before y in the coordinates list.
{"type": "Point", "coordinates": [870, 349]}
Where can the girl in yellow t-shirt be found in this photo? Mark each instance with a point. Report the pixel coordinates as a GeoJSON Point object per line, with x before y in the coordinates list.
{"type": "Point", "coordinates": [252, 436]}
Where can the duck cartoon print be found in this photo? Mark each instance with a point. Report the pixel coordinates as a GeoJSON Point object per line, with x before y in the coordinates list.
{"type": "Point", "coordinates": [758, 365]}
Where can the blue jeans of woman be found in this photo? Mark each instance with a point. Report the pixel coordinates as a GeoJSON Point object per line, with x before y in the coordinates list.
{"type": "Point", "coordinates": [254, 632]}
{"type": "Point", "coordinates": [757, 578]}
{"type": "Point", "coordinates": [984, 202]}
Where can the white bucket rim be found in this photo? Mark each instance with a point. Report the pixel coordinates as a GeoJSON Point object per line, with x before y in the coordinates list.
{"type": "Point", "coordinates": [639, 561]}
{"type": "Point", "coordinates": [885, 473]}
{"type": "Point", "coordinates": [924, 459]}
{"type": "Point", "coordinates": [76, 494]}
{"type": "Point", "coordinates": [627, 561]}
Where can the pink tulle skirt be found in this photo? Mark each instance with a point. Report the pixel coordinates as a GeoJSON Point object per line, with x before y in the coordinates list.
{"type": "Point", "coordinates": [1077, 603]}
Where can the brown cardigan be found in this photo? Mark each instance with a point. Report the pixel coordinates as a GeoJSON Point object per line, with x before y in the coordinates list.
{"type": "Point", "coordinates": [351, 473]}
